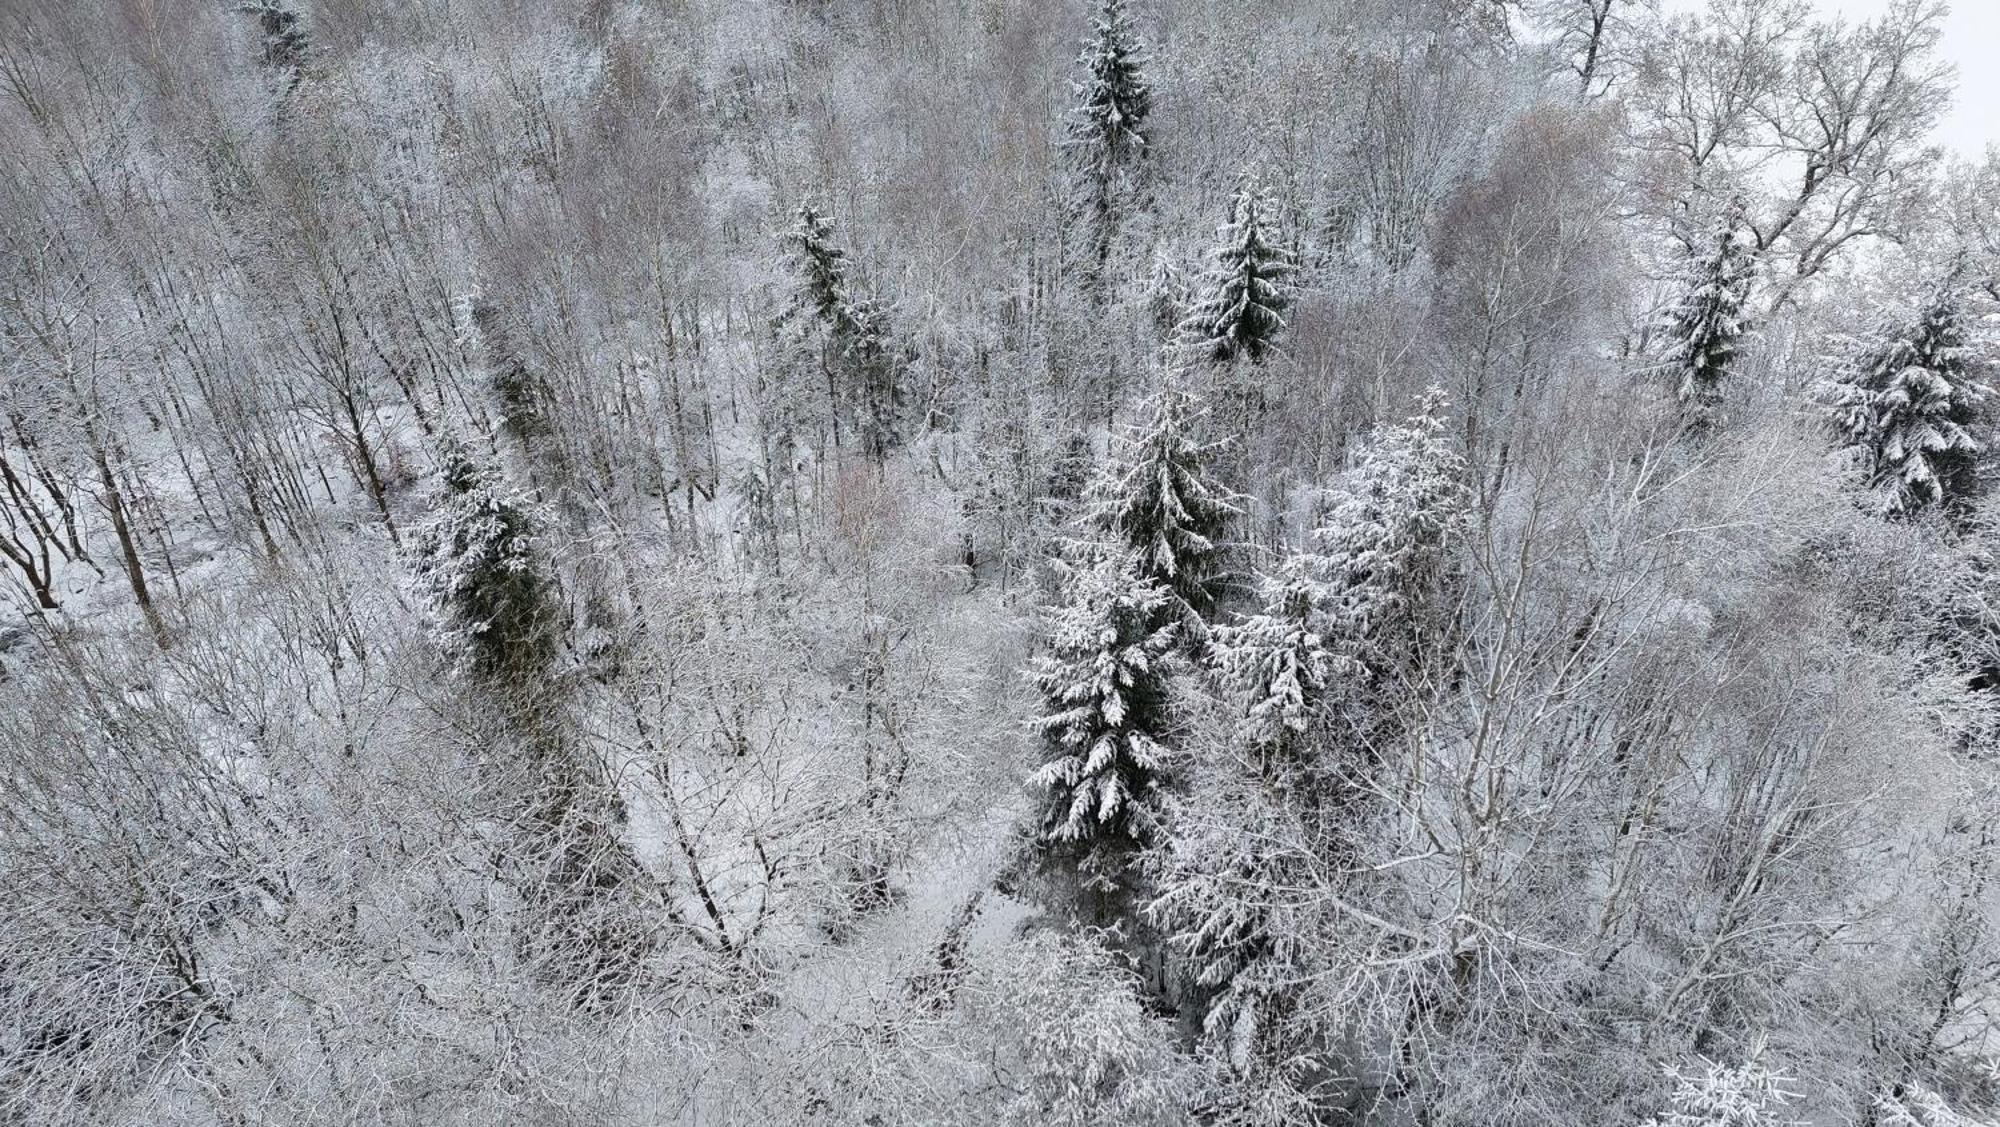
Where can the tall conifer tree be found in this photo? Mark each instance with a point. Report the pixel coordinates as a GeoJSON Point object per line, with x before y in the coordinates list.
{"type": "Point", "coordinates": [285, 41]}
{"type": "Point", "coordinates": [1106, 131]}
{"type": "Point", "coordinates": [495, 613]}
{"type": "Point", "coordinates": [1386, 538]}
{"type": "Point", "coordinates": [855, 348]}
{"type": "Point", "coordinates": [490, 598]}
{"type": "Point", "coordinates": [1276, 666]}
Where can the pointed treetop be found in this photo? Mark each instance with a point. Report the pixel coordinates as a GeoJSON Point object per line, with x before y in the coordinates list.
{"type": "Point", "coordinates": [1276, 664]}
{"type": "Point", "coordinates": [1108, 124]}
{"type": "Point", "coordinates": [1241, 312]}
{"type": "Point", "coordinates": [1385, 538]}
{"type": "Point", "coordinates": [475, 564]}
{"type": "Point", "coordinates": [1157, 500]}
{"type": "Point", "coordinates": [820, 264]}
{"type": "Point", "coordinates": [1706, 325]}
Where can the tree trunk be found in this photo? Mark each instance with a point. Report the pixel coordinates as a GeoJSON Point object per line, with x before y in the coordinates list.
{"type": "Point", "coordinates": [128, 549]}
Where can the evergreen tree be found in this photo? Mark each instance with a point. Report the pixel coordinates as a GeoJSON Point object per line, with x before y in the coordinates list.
{"type": "Point", "coordinates": [1107, 129]}
{"type": "Point", "coordinates": [1241, 311]}
{"type": "Point", "coordinates": [1104, 685]}
{"type": "Point", "coordinates": [494, 613]}
{"type": "Point", "coordinates": [820, 266]}
{"type": "Point", "coordinates": [1157, 499]}
{"type": "Point", "coordinates": [1069, 478]}
{"type": "Point", "coordinates": [491, 601]}
{"type": "Point", "coordinates": [1906, 407]}
{"type": "Point", "coordinates": [1166, 297]}
{"type": "Point", "coordinates": [1385, 546]}
{"type": "Point", "coordinates": [876, 370]}
{"type": "Point", "coordinates": [1246, 829]}
{"type": "Point", "coordinates": [854, 345]}
{"type": "Point", "coordinates": [1265, 823]}
{"type": "Point", "coordinates": [1227, 881]}
{"type": "Point", "coordinates": [1276, 666]}
{"type": "Point", "coordinates": [285, 41]}
{"type": "Point", "coordinates": [1106, 132]}
{"type": "Point", "coordinates": [1705, 327]}
{"type": "Point", "coordinates": [1216, 880]}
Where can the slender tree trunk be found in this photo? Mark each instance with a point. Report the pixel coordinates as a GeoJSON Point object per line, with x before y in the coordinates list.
{"type": "Point", "coordinates": [128, 548]}
{"type": "Point", "coordinates": [365, 454]}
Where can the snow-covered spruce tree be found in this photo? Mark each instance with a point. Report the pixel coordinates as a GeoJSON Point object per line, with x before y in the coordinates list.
{"type": "Point", "coordinates": [1157, 499]}
{"type": "Point", "coordinates": [1906, 406]}
{"type": "Point", "coordinates": [1312, 680]}
{"type": "Point", "coordinates": [1241, 310]}
{"type": "Point", "coordinates": [875, 370]}
{"type": "Point", "coordinates": [1386, 546]}
{"type": "Point", "coordinates": [1219, 900]}
{"type": "Point", "coordinates": [523, 402]}
{"type": "Point", "coordinates": [491, 601]}
{"type": "Point", "coordinates": [1106, 130]}
{"type": "Point", "coordinates": [494, 614]}
{"type": "Point", "coordinates": [1104, 681]}
{"type": "Point", "coordinates": [1242, 847]}
{"type": "Point", "coordinates": [808, 387]}
{"type": "Point", "coordinates": [1276, 667]}
{"type": "Point", "coordinates": [1226, 890]}
{"type": "Point", "coordinates": [848, 335]}
{"type": "Point", "coordinates": [819, 266]}
{"type": "Point", "coordinates": [1705, 326]}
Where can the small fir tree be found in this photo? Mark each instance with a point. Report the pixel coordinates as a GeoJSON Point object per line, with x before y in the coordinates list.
{"type": "Point", "coordinates": [1107, 129]}
{"type": "Point", "coordinates": [1104, 685]}
{"type": "Point", "coordinates": [493, 608]}
{"type": "Point", "coordinates": [876, 370]}
{"type": "Point", "coordinates": [1706, 326]}
{"type": "Point", "coordinates": [1906, 407]}
{"type": "Point", "coordinates": [820, 267]}
{"type": "Point", "coordinates": [1166, 297]}
{"type": "Point", "coordinates": [1306, 676]}
{"type": "Point", "coordinates": [1077, 1044]}
{"type": "Point", "coordinates": [1242, 309]}
{"type": "Point", "coordinates": [1227, 880]}
{"type": "Point", "coordinates": [1157, 499]}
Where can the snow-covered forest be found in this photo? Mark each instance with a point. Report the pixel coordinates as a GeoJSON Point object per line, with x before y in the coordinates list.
{"type": "Point", "coordinates": [1368, 563]}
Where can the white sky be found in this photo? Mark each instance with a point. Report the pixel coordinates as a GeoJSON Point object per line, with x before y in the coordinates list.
{"type": "Point", "coordinates": [1972, 43]}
